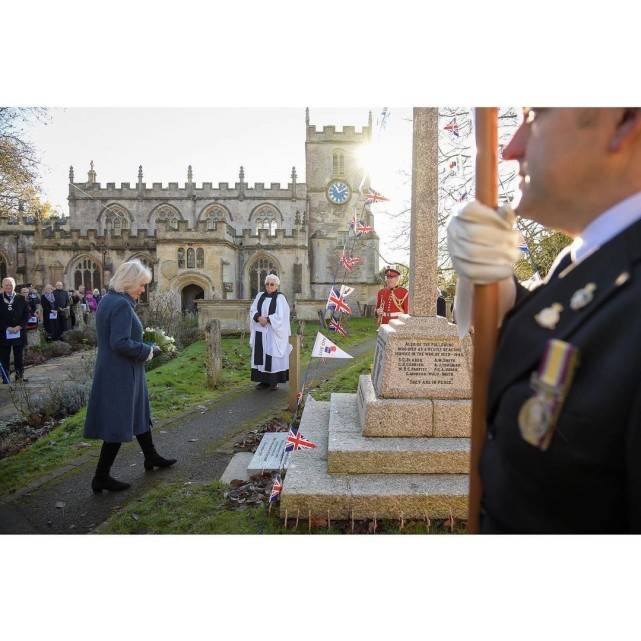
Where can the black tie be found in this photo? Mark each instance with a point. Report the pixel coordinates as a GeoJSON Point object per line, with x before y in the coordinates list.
{"type": "Point", "coordinates": [565, 262]}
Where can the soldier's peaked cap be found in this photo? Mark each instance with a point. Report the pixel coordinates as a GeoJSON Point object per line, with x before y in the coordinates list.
{"type": "Point", "coordinates": [391, 271]}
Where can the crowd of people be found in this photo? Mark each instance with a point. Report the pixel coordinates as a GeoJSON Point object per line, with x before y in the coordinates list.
{"type": "Point", "coordinates": [24, 309]}
{"type": "Point", "coordinates": [54, 307]}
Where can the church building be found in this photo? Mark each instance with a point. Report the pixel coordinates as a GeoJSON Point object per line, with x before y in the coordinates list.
{"type": "Point", "coordinates": [211, 242]}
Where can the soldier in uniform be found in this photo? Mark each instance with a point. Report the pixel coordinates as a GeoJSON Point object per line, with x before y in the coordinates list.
{"type": "Point", "coordinates": [391, 301]}
{"type": "Point", "coordinates": [563, 447]}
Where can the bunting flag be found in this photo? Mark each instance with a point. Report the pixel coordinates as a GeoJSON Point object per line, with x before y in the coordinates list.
{"type": "Point", "coordinates": [374, 197]}
{"type": "Point", "coordinates": [383, 118]}
{"type": "Point", "coordinates": [336, 303]}
{"type": "Point", "coordinates": [324, 348]}
{"type": "Point", "coordinates": [349, 262]}
{"type": "Point", "coordinates": [296, 441]}
{"type": "Point", "coordinates": [276, 489]}
{"type": "Point", "coordinates": [335, 326]}
{"type": "Point", "coordinates": [452, 127]}
{"type": "Point", "coordinates": [524, 248]}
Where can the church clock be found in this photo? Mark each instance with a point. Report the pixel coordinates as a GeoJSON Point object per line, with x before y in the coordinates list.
{"type": "Point", "coordinates": [338, 192]}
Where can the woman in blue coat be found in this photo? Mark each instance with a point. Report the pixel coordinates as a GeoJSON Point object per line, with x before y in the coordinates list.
{"type": "Point", "coordinates": [118, 406]}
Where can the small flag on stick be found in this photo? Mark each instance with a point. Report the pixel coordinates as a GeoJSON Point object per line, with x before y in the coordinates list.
{"type": "Point", "coordinates": [374, 197]}
{"type": "Point", "coordinates": [277, 488]}
{"type": "Point", "coordinates": [296, 441]}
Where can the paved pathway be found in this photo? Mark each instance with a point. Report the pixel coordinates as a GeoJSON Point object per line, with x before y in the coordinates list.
{"type": "Point", "coordinates": [201, 441]}
{"type": "Point", "coordinates": [75, 367]}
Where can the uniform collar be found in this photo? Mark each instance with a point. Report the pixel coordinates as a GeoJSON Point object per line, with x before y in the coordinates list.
{"type": "Point", "coordinates": [606, 226]}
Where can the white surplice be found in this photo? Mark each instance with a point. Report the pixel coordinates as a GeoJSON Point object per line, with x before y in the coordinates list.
{"type": "Point", "coordinates": [273, 339]}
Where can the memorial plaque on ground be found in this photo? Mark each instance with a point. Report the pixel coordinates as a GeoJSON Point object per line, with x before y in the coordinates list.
{"type": "Point", "coordinates": [270, 455]}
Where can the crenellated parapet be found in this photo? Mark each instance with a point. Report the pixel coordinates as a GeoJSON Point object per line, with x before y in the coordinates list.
{"type": "Point", "coordinates": [329, 133]}
{"type": "Point", "coordinates": [204, 232]}
{"type": "Point", "coordinates": [189, 191]}
{"type": "Point", "coordinates": [250, 238]}
{"type": "Point", "coordinates": [51, 238]}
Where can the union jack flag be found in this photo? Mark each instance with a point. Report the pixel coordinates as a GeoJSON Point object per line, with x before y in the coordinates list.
{"type": "Point", "coordinates": [276, 489]}
{"type": "Point", "coordinates": [335, 326]}
{"type": "Point", "coordinates": [349, 262]}
{"type": "Point", "coordinates": [337, 303]}
{"type": "Point", "coordinates": [374, 197]}
{"type": "Point", "coordinates": [359, 228]}
{"type": "Point", "coordinates": [296, 441]}
{"type": "Point", "coordinates": [452, 127]}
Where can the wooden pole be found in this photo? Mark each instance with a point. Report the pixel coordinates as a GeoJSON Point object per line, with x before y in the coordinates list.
{"type": "Point", "coordinates": [485, 308]}
{"type": "Point", "coordinates": [294, 372]}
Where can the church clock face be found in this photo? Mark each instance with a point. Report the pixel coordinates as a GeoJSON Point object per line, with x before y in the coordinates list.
{"type": "Point", "coordinates": [338, 192]}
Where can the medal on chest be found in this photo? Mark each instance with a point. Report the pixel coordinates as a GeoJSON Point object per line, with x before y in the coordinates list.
{"type": "Point", "coordinates": [538, 415]}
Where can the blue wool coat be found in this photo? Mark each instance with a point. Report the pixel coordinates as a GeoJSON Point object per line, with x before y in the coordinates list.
{"type": "Point", "coordinates": [119, 405]}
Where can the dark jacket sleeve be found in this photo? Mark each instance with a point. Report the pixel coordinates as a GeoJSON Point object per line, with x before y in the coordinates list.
{"type": "Point", "coordinates": [521, 292]}
{"type": "Point", "coordinates": [120, 340]}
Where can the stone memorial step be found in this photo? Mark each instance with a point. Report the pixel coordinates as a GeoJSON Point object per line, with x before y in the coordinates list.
{"type": "Point", "coordinates": [445, 418]}
{"type": "Point", "coordinates": [309, 489]}
{"type": "Point", "coordinates": [349, 452]}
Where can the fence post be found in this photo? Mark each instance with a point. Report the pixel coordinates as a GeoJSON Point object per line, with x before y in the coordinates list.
{"type": "Point", "coordinates": [294, 372]}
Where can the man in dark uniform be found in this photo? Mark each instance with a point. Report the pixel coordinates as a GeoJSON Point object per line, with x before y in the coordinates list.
{"type": "Point", "coordinates": [391, 300]}
{"type": "Point", "coordinates": [14, 316]}
{"type": "Point", "coordinates": [563, 448]}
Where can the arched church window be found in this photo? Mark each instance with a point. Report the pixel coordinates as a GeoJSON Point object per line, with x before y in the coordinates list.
{"type": "Point", "coordinates": [86, 271]}
{"type": "Point", "coordinates": [3, 268]}
{"type": "Point", "coordinates": [200, 258]}
{"type": "Point", "coordinates": [338, 163]}
{"type": "Point", "coordinates": [116, 219]}
{"type": "Point", "coordinates": [169, 215]}
{"type": "Point", "coordinates": [191, 258]}
{"type": "Point", "coordinates": [214, 215]}
{"type": "Point", "coordinates": [144, 297]}
{"type": "Point", "coordinates": [267, 217]}
{"type": "Point", "coordinates": [257, 274]}
{"type": "Point", "coordinates": [181, 258]}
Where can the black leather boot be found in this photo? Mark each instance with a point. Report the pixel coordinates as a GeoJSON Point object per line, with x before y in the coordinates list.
{"type": "Point", "coordinates": [102, 480]}
{"type": "Point", "coordinates": [152, 458]}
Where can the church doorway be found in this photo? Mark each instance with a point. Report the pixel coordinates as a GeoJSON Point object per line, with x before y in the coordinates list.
{"type": "Point", "coordinates": [189, 294]}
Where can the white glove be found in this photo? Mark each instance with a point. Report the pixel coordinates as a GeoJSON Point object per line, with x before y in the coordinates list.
{"type": "Point", "coordinates": [151, 354]}
{"type": "Point", "coordinates": [483, 247]}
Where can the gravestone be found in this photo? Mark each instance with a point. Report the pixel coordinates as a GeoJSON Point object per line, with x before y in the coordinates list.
{"type": "Point", "coordinates": [214, 352]}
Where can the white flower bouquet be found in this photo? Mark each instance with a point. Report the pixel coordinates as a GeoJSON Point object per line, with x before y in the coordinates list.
{"type": "Point", "coordinates": [157, 337]}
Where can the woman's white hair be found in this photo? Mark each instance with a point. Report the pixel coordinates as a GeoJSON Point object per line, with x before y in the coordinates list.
{"type": "Point", "coordinates": [48, 287]}
{"type": "Point", "coordinates": [273, 278]}
{"type": "Point", "coordinates": [11, 280]}
{"type": "Point", "coordinates": [129, 275]}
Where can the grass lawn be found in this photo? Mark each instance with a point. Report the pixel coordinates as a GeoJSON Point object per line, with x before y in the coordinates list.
{"type": "Point", "coordinates": [201, 509]}
{"type": "Point", "coordinates": [174, 388]}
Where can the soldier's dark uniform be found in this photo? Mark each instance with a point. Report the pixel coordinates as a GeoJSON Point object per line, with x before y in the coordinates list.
{"type": "Point", "coordinates": [589, 478]}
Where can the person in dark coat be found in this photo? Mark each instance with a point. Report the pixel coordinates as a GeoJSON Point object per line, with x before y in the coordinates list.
{"type": "Point", "coordinates": [50, 310]}
{"type": "Point", "coordinates": [14, 316]}
{"type": "Point", "coordinates": [563, 446]}
{"type": "Point", "coordinates": [118, 407]}
{"type": "Point", "coordinates": [63, 306]}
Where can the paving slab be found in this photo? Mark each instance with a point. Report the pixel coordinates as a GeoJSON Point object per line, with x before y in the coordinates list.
{"type": "Point", "coordinates": [237, 468]}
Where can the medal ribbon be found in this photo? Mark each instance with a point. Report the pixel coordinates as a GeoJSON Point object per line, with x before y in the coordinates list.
{"type": "Point", "coordinates": [558, 364]}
